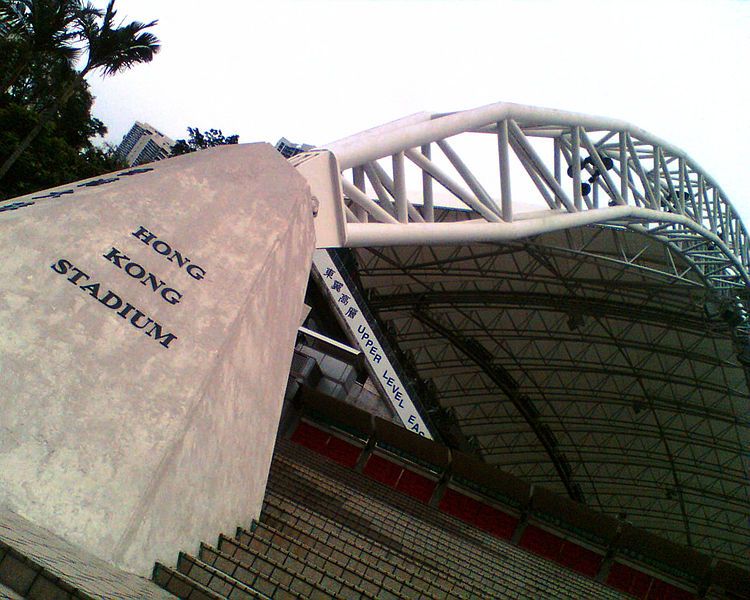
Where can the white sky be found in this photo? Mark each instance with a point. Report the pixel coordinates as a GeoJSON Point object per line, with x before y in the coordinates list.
{"type": "Point", "coordinates": [316, 70]}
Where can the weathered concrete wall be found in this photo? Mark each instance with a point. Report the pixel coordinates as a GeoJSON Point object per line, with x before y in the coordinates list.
{"type": "Point", "coordinates": [127, 441]}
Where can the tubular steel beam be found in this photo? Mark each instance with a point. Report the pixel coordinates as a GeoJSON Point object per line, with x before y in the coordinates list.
{"type": "Point", "coordinates": [509, 387]}
{"type": "Point", "coordinates": [661, 192]}
{"type": "Point", "coordinates": [505, 193]}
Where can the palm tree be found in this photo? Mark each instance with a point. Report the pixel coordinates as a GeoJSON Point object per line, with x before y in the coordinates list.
{"type": "Point", "coordinates": [36, 28]}
{"type": "Point", "coordinates": [109, 47]}
{"type": "Point", "coordinates": [114, 49]}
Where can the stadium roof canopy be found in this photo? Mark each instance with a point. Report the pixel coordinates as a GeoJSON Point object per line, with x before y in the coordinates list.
{"type": "Point", "coordinates": [576, 291]}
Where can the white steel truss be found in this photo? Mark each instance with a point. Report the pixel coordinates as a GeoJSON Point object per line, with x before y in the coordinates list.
{"type": "Point", "coordinates": [582, 361]}
{"type": "Point", "coordinates": [587, 170]}
{"type": "Point", "coordinates": [579, 310]}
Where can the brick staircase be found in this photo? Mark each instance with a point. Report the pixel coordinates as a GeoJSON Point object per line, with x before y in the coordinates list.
{"type": "Point", "coordinates": [327, 531]}
{"type": "Point", "coordinates": [359, 507]}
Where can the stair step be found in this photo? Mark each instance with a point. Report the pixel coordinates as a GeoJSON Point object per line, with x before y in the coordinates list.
{"type": "Point", "coordinates": [221, 582]}
{"type": "Point", "coordinates": [7, 593]}
{"type": "Point", "coordinates": [336, 496]}
{"type": "Point", "coordinates": [280, 581]}
{"type": "Point", "coordinates": [354, 564]}
{"type": "Point", "coordinates": [352, 541]}
{"type": "Point", "coordinates": [416, 535]}
{"type": "Point", "coordinates": [320, 477]}
{"type": "Point", "coordinates": [181, 585]}
{"type": "Point", "coordinates": [327, 532]}
{"type": "Point", "coordinates": [470, 558]}
{"type": "Point", "coordinates": [365, 580]}
{"type": "Point", "coordinates": [448, 554]}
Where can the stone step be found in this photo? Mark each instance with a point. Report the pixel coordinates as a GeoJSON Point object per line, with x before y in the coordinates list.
{"type": "Point", "coordinates": [358, 560]}
{"type": "Point", "coordinates": [462, 570]}
{"type": "Point", "coordinates": [426, 533]}
{"type": "Point", "coordinates": [394, 511]}
{"type": "Point", "coordinates": [298, 522]}
{"type": "Point", "coordinates": [472, 555]}
{"type": "Point", "coordinates": [349, 570]}
{"type": "Point", "coordinates": [8, 594]}
{"type": "Point", "coordinates": [36, 563]}
{"type": "Point", "coordinates": [355, 546]}
{"type": "Point", "coordinates": [181, 585]}
{"type": "Point", "coordinates": [280, 581]}
{"type": "Point", "coordinates": [21, 577]}
{"type": "Point", "coordinates": [222, 583]}
{"type": "Point", "coordinates": [420, 528]}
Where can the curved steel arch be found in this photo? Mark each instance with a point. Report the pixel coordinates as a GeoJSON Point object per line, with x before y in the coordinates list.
{"type": "Point", "coordinates": [471, 290]}
{"type": "Point", "coordinates": [655, 241]}
{"type": "Point", "coordinates": [597, 171]}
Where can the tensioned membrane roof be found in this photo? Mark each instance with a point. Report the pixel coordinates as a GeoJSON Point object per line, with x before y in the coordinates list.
{"type": "Point", "coordinates": [595, 341]}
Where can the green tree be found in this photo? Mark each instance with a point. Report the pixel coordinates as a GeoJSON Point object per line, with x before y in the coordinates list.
{"type": "Point", "coordinates": [62, 152]}
{"type": "Point", "coordinates": [200, 141]}
{"type": "Point", "coordinates": [108, 48]}
{"type": "Point", "coordinates": [34, 29]}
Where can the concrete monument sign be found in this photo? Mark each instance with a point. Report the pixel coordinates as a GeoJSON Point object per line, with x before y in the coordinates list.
{"type": "Point", "coordinates": [148, 319]}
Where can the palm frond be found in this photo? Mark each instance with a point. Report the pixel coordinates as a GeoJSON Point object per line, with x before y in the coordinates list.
{"type": "Point", "coordinates": [114, 49]}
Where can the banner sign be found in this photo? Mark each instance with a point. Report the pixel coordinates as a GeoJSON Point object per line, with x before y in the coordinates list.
{"type": "Point", "coordinates": [381, 368]}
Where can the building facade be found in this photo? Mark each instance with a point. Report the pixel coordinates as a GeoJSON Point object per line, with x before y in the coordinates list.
{"type": "Point", "coordinates": [144, 144]}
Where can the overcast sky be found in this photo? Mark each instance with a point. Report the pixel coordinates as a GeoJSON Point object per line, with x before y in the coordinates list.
{"type": "Point", "coordinates": [315, 70]}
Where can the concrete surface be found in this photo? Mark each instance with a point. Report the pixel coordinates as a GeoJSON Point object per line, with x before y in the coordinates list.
{"type": "Point", "coordinates": [8, 594]}
{"type": "Point", "coordinates": [131, 440]}
{"type": "Point", "coordinates": [51, 559]}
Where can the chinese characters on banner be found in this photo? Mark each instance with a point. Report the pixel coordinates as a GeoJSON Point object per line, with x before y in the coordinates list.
{"type": "Point", "coordinates": [381, 368]}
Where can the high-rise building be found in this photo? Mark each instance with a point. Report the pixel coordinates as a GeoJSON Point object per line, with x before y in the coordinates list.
{"type": "Point", "coordinates": [144, 144]}
{"type": "Point", "coordinates": [289, 149]}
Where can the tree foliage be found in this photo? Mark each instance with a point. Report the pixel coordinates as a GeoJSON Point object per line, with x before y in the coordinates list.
{"type": "Point", "coordinates": [37, 30]}
{"type": "Point", "coordinates": [113, 48]}
{"type": "Point", "coordinates": [46, 126]}
{"type": "Point", "coordinates": [200, 141]}
{"type": "Point", "coordinates": [62, 152]}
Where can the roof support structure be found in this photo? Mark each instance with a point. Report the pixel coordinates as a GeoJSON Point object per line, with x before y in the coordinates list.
{"type": "Point", "coordinates": [507, 385]}
{"type": "Point", "coordinates": [670, 198]}
{"type": "Point", "coordinates": [575, 293]}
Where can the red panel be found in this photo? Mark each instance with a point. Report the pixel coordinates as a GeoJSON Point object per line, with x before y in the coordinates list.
{"type": "Point", "coordinates": [620, 577]}
{"type": "Point", "coordinates": [541, 542]}
{"type": "Point", "coordinates": [342, 452]}
{"type": "Point", "coordinates": [580, 559]}
{"type": "Point", "coordinates": [629, 580]}
{"type": "Point", "coordinates": [495, 521]}
{"type": "Point", "coordinates": [310, 437]}
{"type": "Point", "coordinates": [382, 470]}
{"type": "Point", "coordinates": [450, 502]}
{"type": "Point", "coordinates": [456, 504]}
{"type": "Point", "coordinates": [679, 594]}
{"type": "Point", "coordinates": [661, 590]}
{"type": "Point", "coordinates": [641, 584]}
{"type": "Point", "coordinates": [416, 486]}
